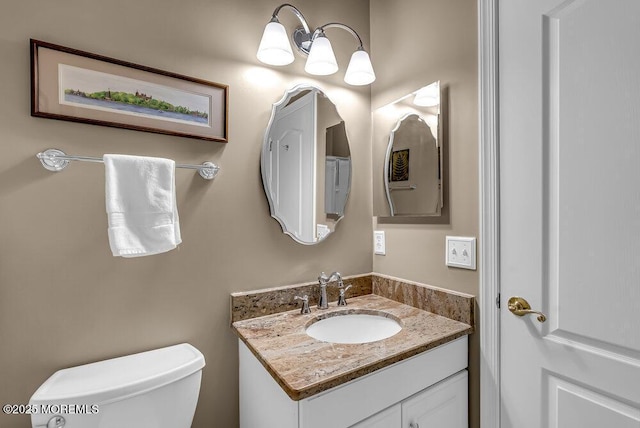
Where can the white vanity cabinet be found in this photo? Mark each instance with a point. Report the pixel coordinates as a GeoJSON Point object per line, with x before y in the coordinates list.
{"type": "Point", "coordinates": [443, 405]}
{"type": "Point", "coordinates": [391, 417]}
{"type": "Point", "coordinates": [426, 390]}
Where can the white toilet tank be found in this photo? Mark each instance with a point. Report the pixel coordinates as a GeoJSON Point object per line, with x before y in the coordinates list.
{"type": "Point", "coordinates": [154, 389]}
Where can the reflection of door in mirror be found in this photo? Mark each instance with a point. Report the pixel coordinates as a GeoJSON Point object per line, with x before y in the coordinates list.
{"type": "Point", "coordinates": [333, 168]}
{"type": "Point", "coordinates": [338, 171]}
{"type": "Point", "coordinates": [291, 172]}
{"type": "Point", "coordinates": [413, 170]}
{"type": "Point", "coordinates": [336, 188]}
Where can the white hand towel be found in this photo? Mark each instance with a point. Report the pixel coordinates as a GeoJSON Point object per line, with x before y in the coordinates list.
{"type": "Point", "coordinates": [141, 205]}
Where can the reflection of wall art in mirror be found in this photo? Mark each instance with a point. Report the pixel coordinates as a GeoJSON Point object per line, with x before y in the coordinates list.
{"type": "Point", "coordinates": [414, 183]}
{"type": "Point", "coordinates": [68, 84]}
{"type": "Point", "coordinates": [306, 164]}
{"type": "Point", "coordinates": [399, 165]}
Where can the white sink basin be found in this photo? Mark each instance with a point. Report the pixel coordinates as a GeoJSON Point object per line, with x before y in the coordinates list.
{"type": "Point", "coordinates": [353, 328]}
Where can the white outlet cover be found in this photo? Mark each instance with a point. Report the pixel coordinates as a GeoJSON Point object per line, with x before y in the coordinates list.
{"type": "Point", "coordinates": [461, 252]}
{"type": "Point", "coordinates": [379, 245]}
{"type": "Point", "coordinates": [322, 230]}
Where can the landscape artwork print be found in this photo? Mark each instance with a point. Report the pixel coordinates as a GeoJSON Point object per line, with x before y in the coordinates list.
{"type": "Point", "coordinates": [78, 86]}
{"type": "Point", "coordinates": [102, 91]}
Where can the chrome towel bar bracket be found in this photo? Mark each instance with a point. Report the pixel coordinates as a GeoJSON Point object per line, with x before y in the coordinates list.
{"type": "Point", "coordinates": [56, 160]}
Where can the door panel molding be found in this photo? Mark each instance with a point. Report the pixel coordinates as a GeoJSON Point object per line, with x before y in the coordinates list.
{"type": "Point", "coordinates": [603, 349]}
{"type": "Point", "coordinates": [574, 317]}
{"type": "Point", "coordinates": [591, 403]}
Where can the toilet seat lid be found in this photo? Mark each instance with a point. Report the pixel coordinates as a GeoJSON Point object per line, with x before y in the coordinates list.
{"type": "Point", "coordinates": [121, 377]}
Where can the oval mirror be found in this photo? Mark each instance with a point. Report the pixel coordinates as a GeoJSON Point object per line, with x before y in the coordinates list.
{"type": "Point", "coordinates": [306, 164]}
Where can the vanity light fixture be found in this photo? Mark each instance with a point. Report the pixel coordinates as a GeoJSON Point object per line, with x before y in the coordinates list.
{"type": "Point", "coordinates": [275, 49]}
{"type": "Point", "coordinates": [428, 96]}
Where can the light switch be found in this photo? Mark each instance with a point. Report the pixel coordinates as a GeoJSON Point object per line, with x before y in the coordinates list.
{"type": "Point", "coordinates": [461, 252]}
{"type": "Point", "coordinates": [378, 242]}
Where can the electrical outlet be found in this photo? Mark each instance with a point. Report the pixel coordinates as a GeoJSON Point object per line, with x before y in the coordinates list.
{"type": "Point", "coordinates": [378, 242]}
{"type": "Point", "coordinates": [461, 252]}
{"type": "Point", "coordinates": [322, 230]}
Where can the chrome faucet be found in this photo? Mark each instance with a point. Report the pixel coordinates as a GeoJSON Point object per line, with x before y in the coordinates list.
{"type": "Point", "coordinates": [324, 280]}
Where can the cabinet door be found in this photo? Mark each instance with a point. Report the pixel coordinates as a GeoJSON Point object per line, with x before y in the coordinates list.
{"type": "Point", "coordinates": [355, 401]}
{"type": "Point", "coordinates": [263, 404]}
{"type": "Point", "coordinates": [389, 418]}
{"type": "Point", "coordinates": [444, 405]}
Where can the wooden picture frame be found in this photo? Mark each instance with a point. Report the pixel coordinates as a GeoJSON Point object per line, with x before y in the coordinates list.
{"type": "Point", "coordinates": [69, 84]}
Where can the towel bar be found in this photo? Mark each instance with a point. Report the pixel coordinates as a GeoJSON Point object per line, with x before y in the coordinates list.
{"type": "Point", "coordinates": [57, 160]}
{"type": "Point", "coordinates": [412, 187]}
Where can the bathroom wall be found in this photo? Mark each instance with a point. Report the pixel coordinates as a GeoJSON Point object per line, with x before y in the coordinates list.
{"type": "Point", "coordinates": [414, 43]}
{"type": "Point", "coordinates": [64, 300]}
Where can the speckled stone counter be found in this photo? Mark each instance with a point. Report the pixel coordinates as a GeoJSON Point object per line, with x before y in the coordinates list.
{"type": "Point", "coordinates": [304, 366]}
{"type": "Point", "coordinates": [267, 301]}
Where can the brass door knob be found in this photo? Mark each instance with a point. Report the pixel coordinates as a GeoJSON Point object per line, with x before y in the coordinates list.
{"type": "Point", "coordinates": [519, 306]}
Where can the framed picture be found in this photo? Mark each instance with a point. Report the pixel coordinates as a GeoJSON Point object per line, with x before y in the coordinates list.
{"type": "Point", "coordinates": [68, 84]}
{"type": "Point", "coordinates": [399, 170]}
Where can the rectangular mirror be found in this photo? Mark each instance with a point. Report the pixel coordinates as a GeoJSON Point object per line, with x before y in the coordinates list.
{"type": "Point", "coordinates": [410, 158]}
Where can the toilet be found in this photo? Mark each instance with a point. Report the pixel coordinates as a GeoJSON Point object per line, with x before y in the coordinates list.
{"type": "Point", "coordinates": [153, 389]}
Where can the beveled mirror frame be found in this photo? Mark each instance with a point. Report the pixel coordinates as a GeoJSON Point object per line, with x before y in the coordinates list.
{"type": "Point", "coordinates": [405, 120]}
{"type": "Point", "coordinates": [276, 107]}
{"type": "Point", "coordinates": [443, 140]}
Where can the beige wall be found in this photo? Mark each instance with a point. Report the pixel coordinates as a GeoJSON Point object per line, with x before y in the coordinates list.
{"type": "Point", "coordinates": [414, 43]}
{"type": "Point", "coordinates": [64, 300]}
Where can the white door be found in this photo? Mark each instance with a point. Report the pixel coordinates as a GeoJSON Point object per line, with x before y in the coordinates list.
{"type": "Point", "coordinates": [292, 167]}
{"type": "Point", "coordinates": [569, 73]}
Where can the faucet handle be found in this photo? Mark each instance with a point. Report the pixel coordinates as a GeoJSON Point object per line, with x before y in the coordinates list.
{"type": "Point", "coordinates": [342, 301]}
{"type": "Point", "coordinates": [305, 304]}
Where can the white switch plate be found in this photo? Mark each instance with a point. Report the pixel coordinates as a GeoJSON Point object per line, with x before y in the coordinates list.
{"type": "Point", "coordinates": [378, 242]}
{"type": "Point", "coordinates": [461, 252]}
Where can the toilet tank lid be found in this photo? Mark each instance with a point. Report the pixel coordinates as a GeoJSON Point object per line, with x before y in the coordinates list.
{"type": "Point", "coordinates": [121, 377]}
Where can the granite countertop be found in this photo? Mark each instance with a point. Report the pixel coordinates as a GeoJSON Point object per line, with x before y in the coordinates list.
{"type": "Point", "coordinates": [304, 366]}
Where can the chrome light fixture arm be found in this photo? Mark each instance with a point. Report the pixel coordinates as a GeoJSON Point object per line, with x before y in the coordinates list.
{"type": "Point", "coordinates": [302, 35]}
{"type": "Point", "coordinates": [296, 11]}
{"type": "Point", "coordinates": [321, 29]}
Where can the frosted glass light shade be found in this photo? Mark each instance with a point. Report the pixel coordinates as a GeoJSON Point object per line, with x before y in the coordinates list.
{"type": "Point", "coordinates": [359, 71]}
{"type": "Point", "coordinates": [275, 48]}
{"type": "Point", "coordinates": [429, 96]}
{"type": "Point", "coordinates": [321, 60]}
